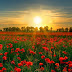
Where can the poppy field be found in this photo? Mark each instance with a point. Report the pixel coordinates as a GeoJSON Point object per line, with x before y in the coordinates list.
{"type": "Point", "coordinates": [30, 53]}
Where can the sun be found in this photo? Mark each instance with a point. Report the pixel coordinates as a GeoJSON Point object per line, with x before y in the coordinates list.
{"type": "Point", "coordinates": [37, 20]}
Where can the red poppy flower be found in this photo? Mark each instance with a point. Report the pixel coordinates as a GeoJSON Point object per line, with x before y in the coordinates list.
{"type": "Point", "coordinates": [45, 48]}
{"type": "Point", "coordinates": [18, 70]}
{"type": "Point", "coordinates": [5, 53]}
{"type": "Point", "coordinates": [40, 64]}
{"type": "Point", "coordinates": [64, 52]}
{"type": "Point", "coordinates": [33, 47]}
{"type": "Point", "coordinates": [42, 68]}
{"type": "Point", "coordinates": [20, 64]}
{"type": "Point", "coordinates": [54, 55]}
{"type": "Point", "coordinates": [40, 52]}
{"type": "Point", "coordinates": [1, 65]}
{"type": "Point", "coordinates": [53, 71]}
{"type": "Point", "coordinates": [1, 46]}
{"type": "Point", "coordinates": [61, 59]}
{"type": "Point", "coordinates": [57, 64]}
{"type": "Point", "coordinates": [65, 69]}
{"type": "Point", "coordinates": [70, 65]}
{"type": "Point", "coordinates": [43, 57]}
{"type": "Point", "coordinates": [47, 60]}
{"type": "Point", "coordinates": [32, 52]}
{"type": "Point", "coordinates": [52, 61]}
{"type": "Point", "coordinates": [4, 57]}
{"type": "Point", "coordinates": [29, 63]}
{"type": "Point", "coordinates": [1, 53]}
{"type": "Point", "coordinates": [23, 62]}
{"type": "Point", "coordinates": [17, 49]}
{"type": "Point", "coordinates": [13, 62]}
{"type": "Point", "coordinates": [3, 69]}
{"type": "Point", "coordinates": [19, 58]}
{"type": "Point", "coordinates": [22, 50]}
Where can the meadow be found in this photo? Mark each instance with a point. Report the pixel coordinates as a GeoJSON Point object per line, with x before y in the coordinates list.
{"type": "Point", "coordinates": [36, 53]}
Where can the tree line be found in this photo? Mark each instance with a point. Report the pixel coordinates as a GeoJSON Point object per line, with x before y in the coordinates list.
{"type": "Point", "coordinates": [32, 29]}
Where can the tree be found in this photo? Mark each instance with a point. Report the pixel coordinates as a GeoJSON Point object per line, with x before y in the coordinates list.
{"type": "Point", "coordinates": [70, 29]}
{"type": "Point", "coordinates": [62, 29]}
{"type": "Point", "coordinates": [66, 29]}
{"type": "Point", "coordinates": [41, 29]}
{"type": "Point", "coordinates": [4, 29]}
{"type": "Point", "coordinates": [36, 29]}
{"type": "Point", "coordinates": [23, 29]}
{"type": "Point", "coordinates": [9, 29]}
{"type": "Point", "coordinates": [57, 30]}
{"type": "Point", "coordinates": [27, 29]}
{"type": "Point", "coordinates": [46, 28]}
{"type": "Point", "coordinates": [51, 29]}
{"type": "Point", "coordinates": [31, 29]}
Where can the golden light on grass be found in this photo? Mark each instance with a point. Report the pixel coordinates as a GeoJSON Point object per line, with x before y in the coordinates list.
{"type": "Point", "coordinates": [37, 20]}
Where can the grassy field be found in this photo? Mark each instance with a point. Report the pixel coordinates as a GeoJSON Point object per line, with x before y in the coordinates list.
{"type": "Point", "coordinates": [36, 53]}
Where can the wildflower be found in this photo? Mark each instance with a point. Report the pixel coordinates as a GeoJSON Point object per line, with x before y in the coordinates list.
{"type": "Point", "coordinates": [22, 50]}
{"type": "Point", "coordinates": [5, 53]}
{"type": "Point", "coordinates": [52, 47]}
{"type": "Point", "coordinates": [17, 49]}
{"type": "Point", "coordinates": [23, 62]}
{"type": "Point", "coordinates": [61, 59]}
{"type": "Point", "coordinates": [70, 65]}
{"type": "Point", "coordinates": [40, 52]}
{"type": "Point", "coordinates": [4, 57]}
{"type": "Point", "coordinates": [4, 69]}
{"type": "Point", "coordinates": [52, 61]}
{"type": "Point", "coordinates": [29, 63]}
{"type": "Point", "coordinates": [1, 71]}
{"type": "Point", "coordinates": [47, 60]}
{"type": "Point", "coordinates": [45, 48]}
{"type": "Point", "coordinates": [53, 71]}
{"type": "Point", "coordinates": [65, 69]}
{"type": "Point", "coordinates": [13, 62]}
{"type": "Point", "coordinates": [64, 52]}
{"type": "Point", "coordinates": [57, 64]}
{"type": "Point", "coordinates": [54, 55]}
{"type": "Point", "coordinates": [18, 70]}
{"type": "Point", "coordinates": [40, 64]}
{"type": "Point", "coordinates": [20, 64]}
{"type": "Point", "coordinates": [1, 53]}
{"type": "Point", "coordinates": [1, 46]}
{"type": "Point", "coordinates": [32, 52]}
{"type": "Point", "coordinates": [42, 56]}
{"type": "Point", "coordinates": [33, 47]}
{"type": "Point", "coordinates": [42, 68]}
{"type": "Point", "coordinates": [1, 65]}
{"type": "Point", "coordinates": [19, 58]}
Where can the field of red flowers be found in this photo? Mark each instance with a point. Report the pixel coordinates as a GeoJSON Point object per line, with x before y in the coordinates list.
{"type": "Point", "coordinates": [35, 53]}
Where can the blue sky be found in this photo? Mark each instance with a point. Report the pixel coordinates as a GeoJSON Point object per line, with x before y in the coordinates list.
{"type": "Point", "coordinates": [11, 11]}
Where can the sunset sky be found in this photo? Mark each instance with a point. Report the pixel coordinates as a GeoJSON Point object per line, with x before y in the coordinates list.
{"type": "Point", "coordinates": [19, 13]}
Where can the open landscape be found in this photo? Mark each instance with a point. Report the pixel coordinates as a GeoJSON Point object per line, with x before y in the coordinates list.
{"type": "Point", "coordinates": [35, 35]}
{"type": "Point", "coordinates": [35, 53]}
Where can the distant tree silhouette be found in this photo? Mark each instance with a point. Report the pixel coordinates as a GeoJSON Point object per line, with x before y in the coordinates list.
{"type": "Point", "coordinates": [70, 29]}
{"type": "Point", "coordinates": [41, 29]}
{"type": "Point", "coordinates": [27, 29]}
{"type": "Point", "coordinates": [9, 29]}
{"type": "Point", "coordinates": [66, 29]}
{"type": "Point", "coordinates": [36, 29]}
{"type": "Point", "coordinates": [46, 28]}
{"type": "Point", "coordinates": [4, 29]}
{"type": "Point", "coordinates": [51, 29]}
{"type": "Point", "coordinates": [31, 29]}
{"type": "Point", "coordinates": [62, 29]}
{"type": "Point", "coordinates": [23, 29]}
{"type": "Point", "coordinates": [57, 30]}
